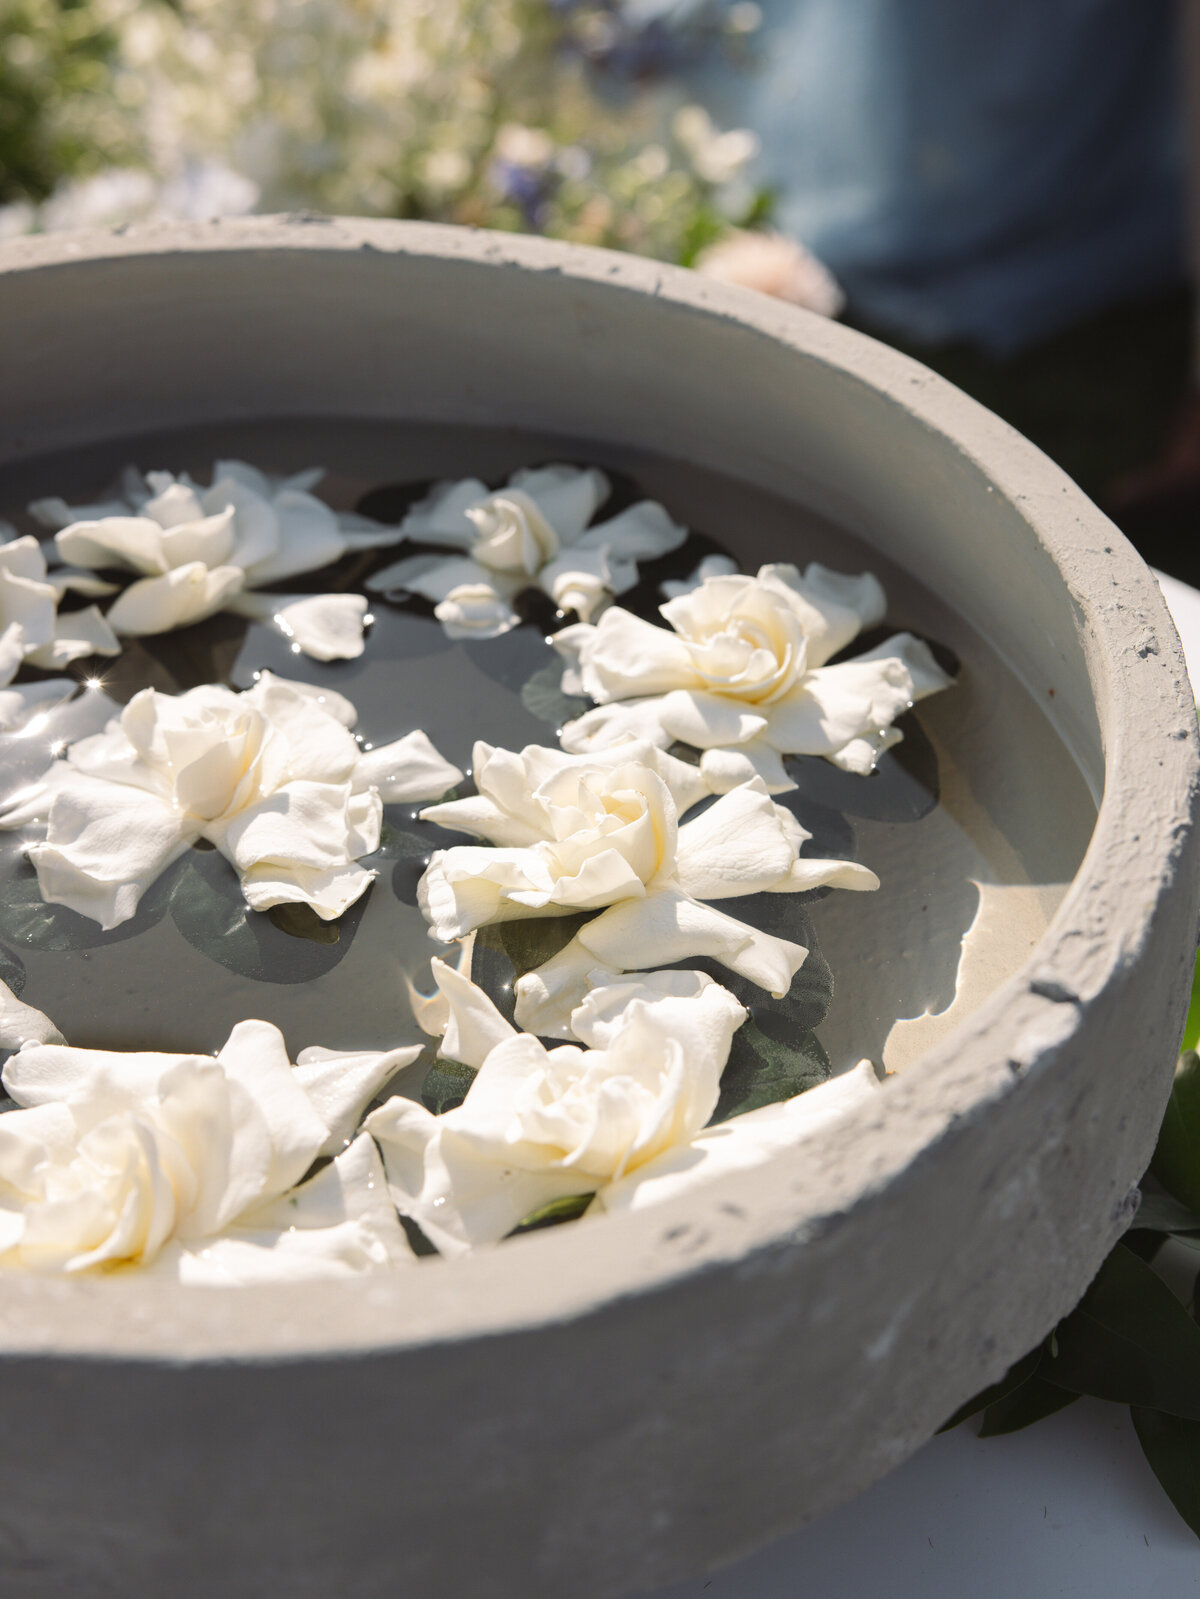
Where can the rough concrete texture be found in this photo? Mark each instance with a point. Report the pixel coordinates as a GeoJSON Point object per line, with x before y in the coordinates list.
{"type": "Point", "coordinates": [549, 1419]}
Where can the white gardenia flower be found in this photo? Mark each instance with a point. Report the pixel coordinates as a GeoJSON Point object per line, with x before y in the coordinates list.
{"type": "Point", "coordinates": [741, 673]}
{"type": "Point", "coordinates": [271, 776]}
{"type": "Point", "coordinates": [193, 1165]}
{"type": "Point", "coordinates": [534, 532]}
{"type": "Point", "coordinates": [196, 551]}
{"type": "Point", "coordinates": [33, 633]}
{"type": "Point", "coordinates": [538, 1125]}
{"type": "Point", "coordinates": [602, 833]}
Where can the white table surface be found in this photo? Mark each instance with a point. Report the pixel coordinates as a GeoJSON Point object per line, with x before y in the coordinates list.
{"type": "Point", "coordinates": [1067, 1509]}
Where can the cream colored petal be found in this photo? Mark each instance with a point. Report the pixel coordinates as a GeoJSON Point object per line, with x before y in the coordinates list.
{"type": "Point", "coordinates": [474, 1026]}
{"type": "Point", "coordinates": [340, 1224]}
{"type": "Point", "coordinates": [710, 566]}
{"type": "Point", "coordinates": [694, 716]}
{"type": "Point", "coordinates": [72, 580]}
{"type": "Point", "coordinates": [325, 627]}
{"type": "Point", "coordinates": [134, 542]}
{"type": "Point", "coordinates": [406, 770]}
{"type": "Point", "coordinates": [440, 518]}
{"type": "Point", "coordinates": [483, 818]}
{"type": "Point", "coordinates": [177, 599]}
{"type": "Point", "coordinates": [105, 844]}
{"type": "Point", "coordinates": [24, 704]}
{"type": "Point", "coordinates": [833, 607]}
{"type": "Point", "coordinates": [723, 769]}
{"type": "Point", "coordinates": [22, 1024]}
{"type": "Point", "coordinates": [744, 1142]}
{"type": "Point", "coordinates": [341, 1083]}
{"type": "Point", "coordinates": [640, 533]}
{"type": "Point", "coordinates": [330, 892]}
{"type": "Point", "coordinates": [577, 580]}
{"type": "Point", "coordinates": [459, 1199]}
{"type": "Point", "coordinates": [255, 1056]}
{"type": "Point", "coordinates": [208, 539]}
{"type": "Point", "coordinates": [810, 872]}
{"type": "Point", "coordinates": [30, 604]}
{"type": "Point", "coordinates": [22, 557]}
{"type": "Point", "coordinates": [625, 722]}
{"type": "Point", "coordinates": [56, 514]}
{"type": "Point", "coordinates": [861, 755]}
{"type": "Point", "coordinates": [670, 926]}
{"type": "Point", "coordinates": [567, 496]}
{"type": "Point", "coordinates": [77, 634]}
{"type": "Point", "coordinates": [737, 846]}
{"type": "Point", "coordinates": [927, 676]}
{"type": "Point", "coordinates": [626, 658]}
{"type": "Point", "coordinates": [548, 996]}
{"type": "Point", "coordinates": [686, 1006]}
{"type": "Point", "coordinates": [475, 610]}
{"type": "Point", "coordinates": [308, 539]}
{"type": "Point", "coordinates": [365, 533]}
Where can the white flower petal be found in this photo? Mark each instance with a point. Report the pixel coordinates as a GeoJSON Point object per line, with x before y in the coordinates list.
{"type": "Point", "coordinates": [365, 533]}
{"type": "Point", "coordinates": [744, 1142]}
{"type": "Point", "coordinates": [12, 651]}
{"type": "Point", "coordinates": [810, 872]}
{"type": "Point", "coordinates": [22, 1024]}
{"type": "Point", "coordinates": [440, 518]}
{"type": "Point", "coordinates": [567, 496]}
{"type": "Point", "coordinates": [105, 845]}
{"type": "Point", "coordinates": [23, 702]}
{"type": "Point", "coordinates": [55, 513]}
{"type": "Point", "coordinates": [23, 557]}
{"type": "Point", "coordinates": [408, 769]}
{"type": "Point", "coordinates": [607, 726]}
{"type": "Point", "coordinates": [176, 599]}
{"type": "Point", "coordinates": [341, 1083]}
{"type": "Point", "coordinates": [624, 657]}
{"type": "Point", "coordinates": [577, 580]}
{"type": "Point", "coordinates": [255, 1056]}
{"type": "Point", "coordinates": [723, 769]}
{"type": "Point", "coordinates": [642, 532]}
{"type": "Point", "coordinates": [29, 604]}
{"type": "Point", "coordinates": [474, 1026]}
{"type": "Point", "coordinates": [77, 634]}
{"type": "Point", "coordinates": [549, 996]}
{"type": "Point", "coordinates": [737, 846]}
{"type": "Point", "coordinates": [72, 580]}
{"type": "Point", "coordinates": [475, 610]}
{"type": "Point", "coordinates": [308, 539]}
{"type": "Point", "coordinates": [861, 755]}
{"type": "Point", "coordinates": [255, 532]}
{"type": "Point", "coordinates": [709, 720]}
{"type": "Point", "coordinates": [326, 627]}
{"type": "Point", "coordinates": [671, 926]}
{"type": "Point", "coordinates": [689, 1006]}
{"type": "Point", "coordinates": [330, 892]}
{"type": "Point", "coordinates": [833, 607]}
{"type": "Point", "coordinates": [134, 542]}
{"type": "Point", "coordinates": [710, 566]}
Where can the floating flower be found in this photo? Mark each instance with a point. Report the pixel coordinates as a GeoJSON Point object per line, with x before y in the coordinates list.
{"type": "Point", "coordinates": [741, 673]}
{"type": "Point", "coordinates": [196, 551]}
{"type": "Point", "coordinates": [539, 1125]}
{"type": "Point", "coordinates": [193, 1165]}
{"type": "Point", "coordinates": [602, 833]}
{"type": "Point", "coordinates": [776, 265]}
{"type": "Point", "coordinates": [271, 776]}
{"type": "Point", "coordinates": [533, 533]}
{"type": "Point", "coordinates": [33, 633]}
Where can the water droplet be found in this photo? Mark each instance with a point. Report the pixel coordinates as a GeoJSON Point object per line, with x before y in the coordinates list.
{"type": "Point", "coordinates": [296, 650]}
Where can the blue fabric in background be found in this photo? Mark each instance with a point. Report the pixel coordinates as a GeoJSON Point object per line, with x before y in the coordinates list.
{"type": "Point", "coordinates": [989, 170]}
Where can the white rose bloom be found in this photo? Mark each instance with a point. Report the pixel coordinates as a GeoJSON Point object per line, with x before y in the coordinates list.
{"type": "Point", "coordinates": [196, 551]}
{"type": "Point", "coordinates": [538, 1125]}
{"type": "Point", "coordinates": [272, 777]}
{"type": "Point", "coordinates": [602, 832]}
{"type": "Point", "coordinates": [32, 633]}
{"type": "Point", "coordinates": [533, 533]}
{"type": "Point", "coordinates": [776, 265]}
{"type": "Point", "coordinates": [740, 673]}
{"type": "Point", "coordinates": [188, 1164]}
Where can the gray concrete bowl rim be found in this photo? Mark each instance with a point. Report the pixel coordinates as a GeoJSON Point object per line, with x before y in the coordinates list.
{"type": "Point", "coordinates": [745, 1224]}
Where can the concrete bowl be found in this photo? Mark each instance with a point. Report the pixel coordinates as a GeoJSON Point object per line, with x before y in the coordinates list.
{"type": "Point", "coordinates": [545, 1420]}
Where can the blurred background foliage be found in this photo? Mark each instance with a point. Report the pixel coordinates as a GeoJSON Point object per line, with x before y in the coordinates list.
{"type": "Point", "coordinates": [540, 115]}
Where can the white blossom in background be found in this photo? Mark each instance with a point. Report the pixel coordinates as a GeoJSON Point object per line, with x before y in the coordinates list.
{"type": "Point", "coordinates": [741, 673]}
{"type": "Point", "coordinates": [710, 566]}
{"type": "Point", "coordinates": [193, 1165]}
{"type": "Point", "coordinates": [34, 633]}
{"type": "Point", "coordinates": [272, 777]}
{"type": "Point", "coordinates": [775, 265]}
{"type": "Point", "coordinates": [534, 532]}
{"type": "Point", "coordinates": [539, 1125]}
{"type": "Point", "coordinates": [602, 833]}
{"type": "Point", "coordinates": [194, 551]}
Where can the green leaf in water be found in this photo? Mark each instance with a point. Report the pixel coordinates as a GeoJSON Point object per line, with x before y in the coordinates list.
{"type": "Point", "coordinates": [762, 1070]}
{"type": "Point", "coordinates": [553, 1214]}
{"type": "Point", "coordinates": [1033, 1400]}
{"type": "Point", "coordinates": [543, 697]}
{"type": "Point", "coordinates": [1176, 1161]}
{"type": "Point", "coordinates": [1171, 1445]}
{"type": "Point", "coordinates": [301, 921]}
{"type": "Point", "coordinates": [445, 1086]}
{"type": "Point", "coordinates": [530, 941]}
{"type": "Point", "coordinates": [1191, 1027]}
{"type": "Point", "coordinates": [29, 922]}
{"type": "Point", "coordinates": [1129, 1340]}
{"type": "Point", "coordinates": [1012, 1379]}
